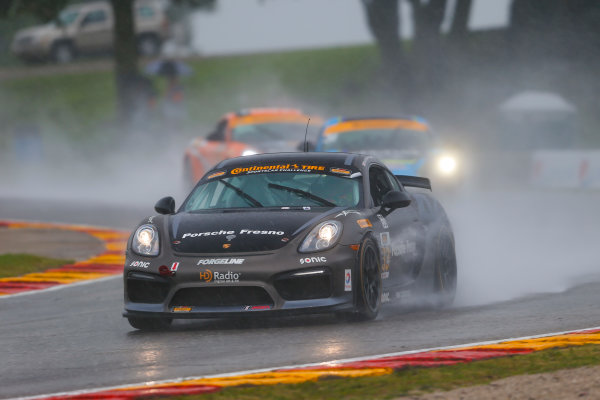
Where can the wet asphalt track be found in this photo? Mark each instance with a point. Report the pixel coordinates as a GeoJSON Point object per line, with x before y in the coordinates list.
{"type": "Point", "coordinates": [75, 338]}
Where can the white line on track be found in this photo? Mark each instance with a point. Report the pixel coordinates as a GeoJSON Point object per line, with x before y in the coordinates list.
{"type": "Point", "coordinates": [321, 364]}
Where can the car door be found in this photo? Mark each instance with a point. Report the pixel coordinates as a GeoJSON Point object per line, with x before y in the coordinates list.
{"type": "Point", "coordinates": [95, 31]}
{"type": "Point", "coordinates": [400, 233]}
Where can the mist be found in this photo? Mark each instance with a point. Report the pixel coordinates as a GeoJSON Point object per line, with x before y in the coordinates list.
{"type": "Point", "coordinates": [512, 239]}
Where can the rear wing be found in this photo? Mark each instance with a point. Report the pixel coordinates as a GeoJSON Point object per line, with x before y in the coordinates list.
{"type": "Point", "coordinates": [414, 181]}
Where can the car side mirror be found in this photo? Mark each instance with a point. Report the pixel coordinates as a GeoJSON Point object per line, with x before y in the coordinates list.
{"type": "Point", "coordinates": [166, 205]}
{"type": "Point", "coordinates": [395, 199]}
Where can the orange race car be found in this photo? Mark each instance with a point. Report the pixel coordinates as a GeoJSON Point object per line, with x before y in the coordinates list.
{"type": "Point", "coordinates": [247, 132]}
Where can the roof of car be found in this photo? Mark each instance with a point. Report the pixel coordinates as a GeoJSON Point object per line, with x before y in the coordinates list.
{"type": "Point", "coordinates": [348, 159]}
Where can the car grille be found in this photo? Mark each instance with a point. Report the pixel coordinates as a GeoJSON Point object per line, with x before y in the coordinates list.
{"type": "Point", "coordinates": [145, 288]}
{"type": "Point", "coordinates": [304, 287]}
{"type": "Point", "coordinates": [222, 296]}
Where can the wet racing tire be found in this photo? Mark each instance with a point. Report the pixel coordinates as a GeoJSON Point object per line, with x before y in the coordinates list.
{"type": "Point", "coordinates": [445, 273]}
{"type": "Point", "coordinates": [367, 285]}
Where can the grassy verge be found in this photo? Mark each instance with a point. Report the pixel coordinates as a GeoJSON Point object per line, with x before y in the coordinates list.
{"type": "Point", "coordinates": [20, 264]}
{"type": "Point", "coordinates": [417, 380]}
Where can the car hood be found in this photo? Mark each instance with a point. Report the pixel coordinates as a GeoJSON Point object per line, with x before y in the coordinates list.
{"type": "Point", "coordinates": [36, 31]}
{"type": "Point", "coordinates": [239, 231]}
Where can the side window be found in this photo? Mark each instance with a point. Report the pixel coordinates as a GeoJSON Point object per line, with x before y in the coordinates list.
{"type": "Point", "coordinates": [379, 184]}
{"type": "Point", "coordinates": [219, 133]}
{"type": "Point", "coordinates": [94, 17]}
{"type": "Point", "coordinates": [393, 181]}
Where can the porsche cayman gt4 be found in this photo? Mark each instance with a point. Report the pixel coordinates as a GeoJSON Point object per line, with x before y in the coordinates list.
{"type": "Point", "coordinates": [286, 233]}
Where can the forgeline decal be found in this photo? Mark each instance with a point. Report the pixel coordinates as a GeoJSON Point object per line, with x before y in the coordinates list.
{"type": "Point", "coordinates": [182, 309]}
{"type": "Point", "coordinates": [309, 260]}
{"type": "Point", "coordinates": [277, 168]}
{"type": "Point", "coordinates": [215, 174]}
{"type": "Point", "coordinates": [231, 234]}
{"type": "Point", "coordinates": [219, 277]}
{"type": "Point", "coordinates": [364, 223]}
{"type": "Point", "coordinates": [220, 261]}
{"type": "Point", "coordinates": [340, 171]}
{"type": "Point", "coordinates": [404, 247]}
{"type": "Point", "coordinates": [347, 280]}
{"type": "Point", "coordinates": [140, 264]}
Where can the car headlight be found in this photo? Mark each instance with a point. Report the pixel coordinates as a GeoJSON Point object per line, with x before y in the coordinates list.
{"type": "Point", "coordinates": [447, 165]}
{"type": "Point", "coordinates": [145, 241]}
{"type": "Point", "coordinates": [322, 237]}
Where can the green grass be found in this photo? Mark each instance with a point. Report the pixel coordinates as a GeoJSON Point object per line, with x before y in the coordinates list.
{"type": "Point", "coordinates": [81, 106]}
{"type": "Point", "coordinates": [417, 380]}
{"type": "Point", "coordinates": [20, 264]}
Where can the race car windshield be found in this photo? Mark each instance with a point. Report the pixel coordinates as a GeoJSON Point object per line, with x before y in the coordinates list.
{"type": "Point", "coordinates": [268, 132]}
{"type": "Point", "coordinates": [377, 139]}
{"type": "Point", "coordinates": [275, 189]}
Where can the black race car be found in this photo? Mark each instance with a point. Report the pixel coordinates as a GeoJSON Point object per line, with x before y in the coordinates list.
{"type": "Point", "coordinates": [289, 233]}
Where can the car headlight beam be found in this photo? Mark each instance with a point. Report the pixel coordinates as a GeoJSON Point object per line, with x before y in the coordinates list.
{"type": "Point", "coordinates": [323, 236]}
{"type": "Point", "coordinates": [447, 165]}
{"type": "Point", "coordinates": [145, 241]}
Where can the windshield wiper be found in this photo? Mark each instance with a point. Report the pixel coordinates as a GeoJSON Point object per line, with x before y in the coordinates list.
{"type": "Point", "coordinates": [243, 194]}
{"type": "Point", "coordinates": [302, 193]}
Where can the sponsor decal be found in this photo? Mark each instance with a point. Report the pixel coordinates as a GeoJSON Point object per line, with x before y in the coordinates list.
{"type": "Point", "coordinates": [230, 235]}
{"type": "Point", "coordinates": [386, 250]}
{"type": "Point", "coordinates": [219, 277]}
{"type": "Point", "coordinates": [256, 308]}
{"type": "Point", "coordinates": [385, 297]}
{"type": "Point", "coordinates": [285, 240]}
{"type": "Point", "coordinates": [176, 241]}
{"type": "Point", "coordinates": [151, 220]}
{"type": "Point", "coordinates": [347, 280]}
{"type": "Point", "coordinates": [385, 275]}
{"type": "Point", "coordinates": [140, 264]}
{"type": "Point", "coordinates": [348, 212]}
{"type": "Point", "coordinates": [404, 247]}
{"type": "Point", "coordinates": [174, 267]}
{"type": "Point", "coordinates": [277, 168]}
{"type": "Point", "coordinates": [384, 239]}
{"type": "Point", "coordinates": [256, 232]}
{"type": "Point", "coordinates": [200, 234]}
{"type": "Point", "coordinates": [383, 221]}
{"type": "Point", "coordinates": [310, 260]}
{"type": "Point", "coordinates": [206, 275]}
{"type": "Point", "coordinates": [364, 223]}
{"type": "Point", "coordinates": [340, 171]}
{"type": "Point", "coordinates": [215, 174]}
{"type": "Point", "coordinates": [226, 245]}
{"type": "Point", "coordinates": [182, 309]}
{"type": "Point", "coordinates": [306, 208]}
{"type": "Point", "coordinates": [220, 261]}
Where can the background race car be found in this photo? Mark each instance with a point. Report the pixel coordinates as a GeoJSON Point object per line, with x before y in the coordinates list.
{"type": "Point", "coordinates": [406, 145]}
{"type": "Point", "coordinates": [247, 132]}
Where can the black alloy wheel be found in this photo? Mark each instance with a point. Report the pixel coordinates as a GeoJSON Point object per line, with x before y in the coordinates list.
{"type": "Point", "coordinates": [369, 283]}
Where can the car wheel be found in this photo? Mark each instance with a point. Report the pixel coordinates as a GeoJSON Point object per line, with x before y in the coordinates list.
{"type": "Point", "coordinates": [149, 324]}
{"type": "Point", "coordinates": [148, 46]}
{"type": "Point", "coordinates": [445, 273]}
{"type": "Point", "coordinates": [368, 285]}
{"type": "Point", "coordinates": [63, 53]}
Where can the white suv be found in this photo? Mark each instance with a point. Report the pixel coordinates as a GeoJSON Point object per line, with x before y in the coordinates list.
{"type": "Point", "coordinates": [88, 28]}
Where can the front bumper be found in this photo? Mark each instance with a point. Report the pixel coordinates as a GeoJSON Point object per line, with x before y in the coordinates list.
{"type": "Point", "coordinates": [219, 286]}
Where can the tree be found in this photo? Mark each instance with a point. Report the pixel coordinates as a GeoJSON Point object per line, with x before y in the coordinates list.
{"type": "Point", "coordinates": [42, 9]}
